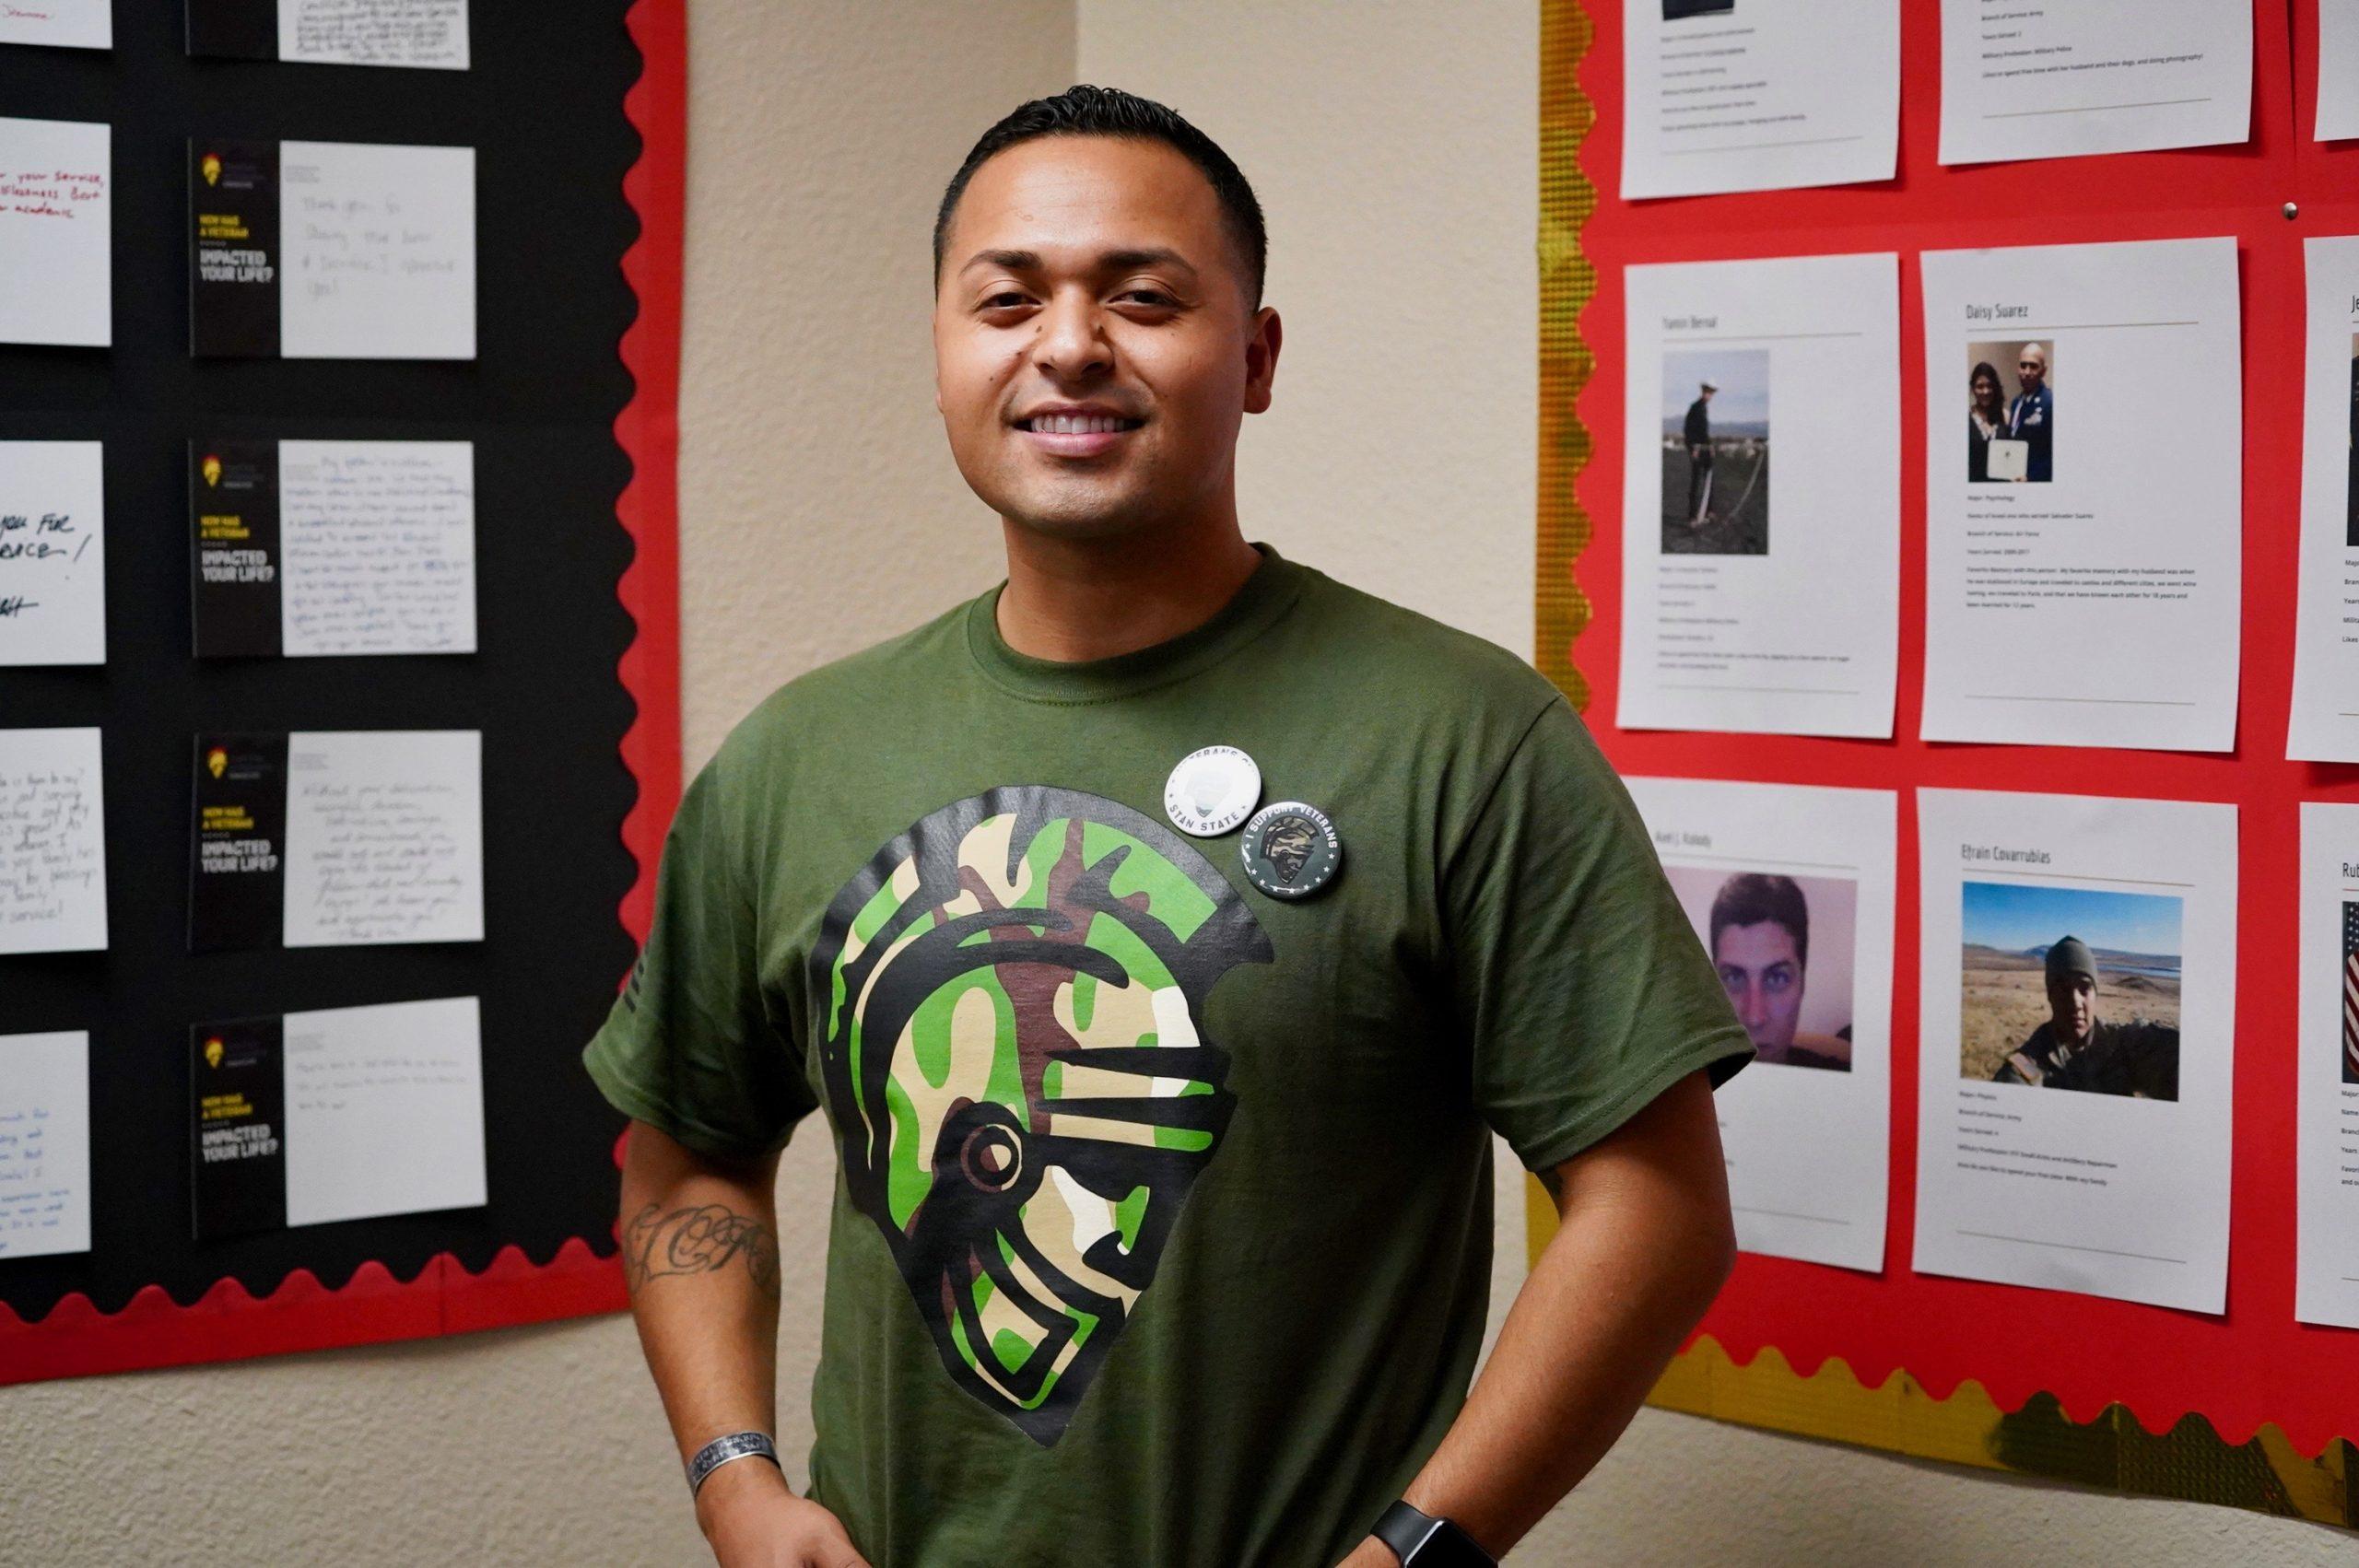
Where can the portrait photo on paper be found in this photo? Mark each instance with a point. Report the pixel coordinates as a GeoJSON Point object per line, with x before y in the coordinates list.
{"type": "Point", "coordinates": [1716, 452]}
{"type": "Point", "coordinates": [2010, 412]}
{"type": "Point", "coordinates": [2350, 458]}
{"type": "Point", "coordinates": [2068, 988]}
{"type": "Point", "coordinates": [1783, 946]}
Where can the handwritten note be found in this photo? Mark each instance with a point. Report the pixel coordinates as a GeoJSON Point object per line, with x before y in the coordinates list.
{"type": "Point", "coordinates": [44, 1143]}
{"type": "Point", "coordinates": [53, 552]}
{"type": "Point", "coordinates": [62, 24]}
{"type": "Point", "coordinates": [380, 546]}
{"type": "Point", "coordinates": [384, 1110]}
{"type": "Point", "coordinates": [52, 842]}
{"type": "Point", "coordinates": [55, 273]}
{"type": "Point", "coordinates": [431, 33]}
{"type": "Point", "coordinates": [379, 242]}
{"type": "Point", "coordinates": [384, 836]}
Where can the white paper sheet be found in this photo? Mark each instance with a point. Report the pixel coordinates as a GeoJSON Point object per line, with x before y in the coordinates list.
{"type": "Point", "coordinates": [1800, 884]}
{"type": "Point", "coordinates": [378, 251]}
{"type": "Point", "coordinates": [2097, 605]}
{"type": "Point", "coordinates": [53, 552]}
{"type": "Point", "coordinates": [57, 270]}
{"type": "Point", "coordinates": [2092, 76]}
{"type": "Point", "coordinates": [52, 842]}
{"type": "Point", "coordinates": [2093, 1186]}
{"type": "Point", "coordinates": [64, 24]}
{"type": "Point", "coordinates": [1781, 610]}
{"type": "Point", "coordinates": [379, 545]}
{"type": "Point", "coordinates": [44, 1143]}
{"type": "Point", "coordinates": [2338, 116]}
{"type": "Point", "coordinates": [2324, 723]}
{"type": "Point", "coordinates": [2327, 1162]}
{"type": "Point", "coordinates": [431, 33]}
{"type": "Point", "coordinates": [384, 1110]}
{"type": "Point", "coordinates": [384, 836]}
{"type": "Point", "coordinates": [1731, 94]}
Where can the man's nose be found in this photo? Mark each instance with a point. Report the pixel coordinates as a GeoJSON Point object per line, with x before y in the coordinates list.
{"type": "Point", "coordinates": [1072, 345]}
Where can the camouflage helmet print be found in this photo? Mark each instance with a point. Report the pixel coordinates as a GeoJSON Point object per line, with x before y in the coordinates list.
{"type": "Point", "coordinates": [1017, 1069]}
{"type": "Point", "coordinates": [1291, 849]}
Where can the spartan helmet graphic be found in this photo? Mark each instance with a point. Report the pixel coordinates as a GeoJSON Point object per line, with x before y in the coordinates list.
{"type": "Point", "coordinates": [1286, 844]}
{"type": "Point", "coordinates": [212, 1049]}
{"type": "Point", "coordinates": [1018, 1074]}
{"type": "Point", "coordinates": [215, 761]}
{"type": "Point", "coordinates": [210, 167]}
{"type": "Point", "coordinates": [212, 466]}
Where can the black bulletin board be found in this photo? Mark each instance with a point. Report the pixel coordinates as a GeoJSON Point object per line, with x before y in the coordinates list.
{"type": "Point", "coordinates": [544, 106]}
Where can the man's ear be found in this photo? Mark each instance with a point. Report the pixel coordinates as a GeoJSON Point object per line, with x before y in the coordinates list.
{"type": "Point", "coordinates": [1261, 343]}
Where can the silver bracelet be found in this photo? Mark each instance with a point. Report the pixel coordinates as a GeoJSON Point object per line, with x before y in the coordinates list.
{"type": "Point", "coordinates": [720, 1450]}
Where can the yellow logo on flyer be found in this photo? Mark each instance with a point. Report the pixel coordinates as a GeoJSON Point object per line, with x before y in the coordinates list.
{"type": "Point", "coordinates": [212, 1050]}
{"type": "Point", "coordinates": [215, 761]}
{"type": "Point", "coordinates": [212, 469]}
{"type": "Point", "coordinates": [210, 167]}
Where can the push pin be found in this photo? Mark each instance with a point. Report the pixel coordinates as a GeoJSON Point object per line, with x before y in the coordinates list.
{"type": "Point", "coordinates": [2291, 212]}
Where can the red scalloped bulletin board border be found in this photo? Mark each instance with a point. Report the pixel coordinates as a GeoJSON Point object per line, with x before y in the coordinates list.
{"type": "Point", "coordinates": [2253, 1365]}
{"type": "Point", "coordinates": [227, 1323]}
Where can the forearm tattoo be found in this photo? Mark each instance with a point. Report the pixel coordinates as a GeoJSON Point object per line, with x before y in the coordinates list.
{"type": "Point", "coordinates": [700, 1239]}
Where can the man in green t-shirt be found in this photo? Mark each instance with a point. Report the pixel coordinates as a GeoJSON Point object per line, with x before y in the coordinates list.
{"type": "Point", "coordinates": [1163, 933]}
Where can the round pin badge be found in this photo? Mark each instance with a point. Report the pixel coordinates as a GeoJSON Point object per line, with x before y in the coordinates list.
{"type": "Point", "coordinates": [1211, 791]}
{"type": "Point", "coordinates": [1291, 849]}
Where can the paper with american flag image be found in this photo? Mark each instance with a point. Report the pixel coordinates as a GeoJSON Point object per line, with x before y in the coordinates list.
{"type": "Point", "coordinates": [2327, 1263]}
{"type": "Point", "coordinates": [2351, 993]}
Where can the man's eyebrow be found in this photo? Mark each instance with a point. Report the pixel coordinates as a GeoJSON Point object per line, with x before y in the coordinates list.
{"type": "Point", "coordinates": [1110, 260]}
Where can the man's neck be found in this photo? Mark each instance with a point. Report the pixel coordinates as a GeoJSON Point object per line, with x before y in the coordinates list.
{"type": "Point", "coordinates": [1076, 600]}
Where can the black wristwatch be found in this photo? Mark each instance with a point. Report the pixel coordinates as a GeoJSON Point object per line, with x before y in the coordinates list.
{"type": "Point", "coordinates": [1421, 1540]}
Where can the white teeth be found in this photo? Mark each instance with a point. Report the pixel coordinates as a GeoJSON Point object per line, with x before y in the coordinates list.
{"type": "Point", "coordinates": [1076, 424]}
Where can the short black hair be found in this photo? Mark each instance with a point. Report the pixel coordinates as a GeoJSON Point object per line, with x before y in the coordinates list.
{"type": "Point", "coordinates": [1751, 897]}
{"type": "Point", "coordinates": [1086, 110]}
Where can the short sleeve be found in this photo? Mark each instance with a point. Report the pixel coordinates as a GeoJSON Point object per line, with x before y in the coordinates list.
{"type": "Point", "coordinates": [689, 1047]}
{"type": "Point", "coordinates": [1580, 985]}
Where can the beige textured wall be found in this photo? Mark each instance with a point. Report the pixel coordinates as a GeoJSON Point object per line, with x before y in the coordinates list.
{"type": "Point", "coordinates": [1392, 144]}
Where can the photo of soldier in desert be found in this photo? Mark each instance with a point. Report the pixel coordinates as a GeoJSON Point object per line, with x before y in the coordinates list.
{"type": "Point", "coordinates": [2094, 1007]}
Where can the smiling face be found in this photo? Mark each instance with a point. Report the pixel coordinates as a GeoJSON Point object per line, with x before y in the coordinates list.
{"type": "Point", "coordinates": [1986, 396]}
{"type": "Point", "coordinates": [1096, 345]}
{"type": "Point", "coordinates": [2031, 366]}
{"type": "Point", "coordinates": [1763, 973]}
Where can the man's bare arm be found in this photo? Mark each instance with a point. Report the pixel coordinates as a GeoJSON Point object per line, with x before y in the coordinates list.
{"type": "Point", "coordinates": [699, 1252]}
{"type": "Point", "coordinates": [1645, 1243]}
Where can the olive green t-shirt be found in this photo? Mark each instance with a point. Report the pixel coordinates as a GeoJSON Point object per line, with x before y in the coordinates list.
{"type": "Point", "coordinates": [1161, 1232]}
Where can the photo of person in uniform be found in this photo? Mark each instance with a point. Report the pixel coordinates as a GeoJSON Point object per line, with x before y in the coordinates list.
{"type": "Point", "coordinates": [1986, 416]}
{"type": "Point", "coordinates": [2031, 417]}
{"type": "Point", "coordinates": [1782, 946]}
{"type": "Point", "coordinates": [2096, 1013]}
{"type": "Point", "coordinates": [1716, 452]}
{"type": "Point", "coordinates": [2010, 412]}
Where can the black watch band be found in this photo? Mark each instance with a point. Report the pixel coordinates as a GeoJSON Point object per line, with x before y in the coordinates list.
{"type": "Point", "coordinates": [1421, 1540]}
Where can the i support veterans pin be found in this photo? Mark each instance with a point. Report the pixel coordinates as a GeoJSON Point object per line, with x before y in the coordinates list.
{"type": "Point", "coordinates": [1291, 849]}
{"type": "Point", "coordinates": [1211, 790]}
